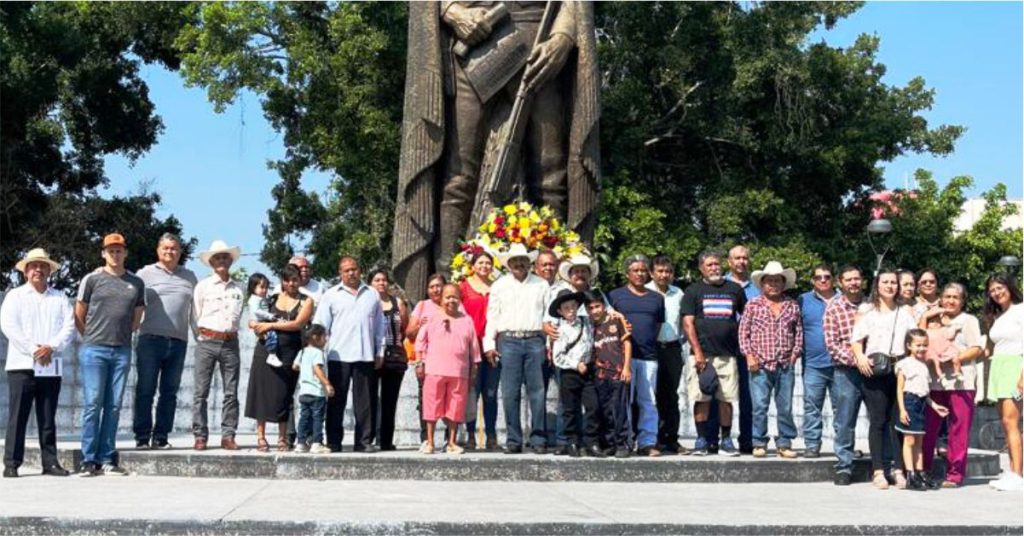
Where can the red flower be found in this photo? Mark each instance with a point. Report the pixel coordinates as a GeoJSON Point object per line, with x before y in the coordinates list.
{"type": "Point", "coordinates": [551, 241]}
{"type": "Point", "coordinates": [500, 233]}
{"type": "Point", "coordinates": [499, 220]}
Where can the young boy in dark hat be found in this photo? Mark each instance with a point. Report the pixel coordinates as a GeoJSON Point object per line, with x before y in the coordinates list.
{"type": "Point", "coordinates": [571, 354]}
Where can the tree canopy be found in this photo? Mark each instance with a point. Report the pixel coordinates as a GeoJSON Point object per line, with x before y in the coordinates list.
{"type": "Point", "coordinates": [71, 95]}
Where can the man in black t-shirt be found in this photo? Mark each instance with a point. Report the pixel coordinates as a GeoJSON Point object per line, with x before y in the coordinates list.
{"type": "Point", "coordinates": [709, 311]}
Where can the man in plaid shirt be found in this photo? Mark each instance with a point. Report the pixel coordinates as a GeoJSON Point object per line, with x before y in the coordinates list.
{"type": "Point", "coordinates": [771, 338]}
{"type": "Point", "coordinates": [840, 314]}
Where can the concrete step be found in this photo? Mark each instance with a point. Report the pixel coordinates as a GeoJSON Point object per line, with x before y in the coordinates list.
{"type": "Point", "coordinates": [407, 464]}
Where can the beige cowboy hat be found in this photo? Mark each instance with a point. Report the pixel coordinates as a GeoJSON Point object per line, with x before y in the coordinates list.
{"type": "Point", "coordinates": [516, 250]}
{"type": "Point", "coordinates": [774, 268]}
{"type": "Point", "coordinates": [578, 260]}
{"type": "Point", "coordinates": [36, 255]}
{"type": "Point", "coordinates": [219, 246]}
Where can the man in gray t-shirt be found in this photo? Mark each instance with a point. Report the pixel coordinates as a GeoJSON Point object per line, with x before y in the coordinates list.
{"type": "Point", "coordinates": [162, 343]}
{"type": "Point", "coordinates": [109, 308]}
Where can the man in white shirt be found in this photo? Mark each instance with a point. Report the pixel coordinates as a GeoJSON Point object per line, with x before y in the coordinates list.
{"type": "Point", "coordinates": [307, 285]}
{"type": "Point", "coordinates": [670, 355]}
{"type": "Point", "coordinates": [39, 324]}
{"type": "Point", "coordinates": [217, 309]}
{"type": "Point", "coordinates": [514, 334]}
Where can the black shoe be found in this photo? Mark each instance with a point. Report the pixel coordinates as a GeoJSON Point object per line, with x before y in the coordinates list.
{"type": "Point", "coordinates": [513, 449]}
{"type": "Point", "coordinates": [610, 451]}
{"type": "Point", "coordinates": [622, 452]}
{"type": "Point", "coordinates": [388, 448]}
{"type": "Point", "coordinates": [141, 444]}
{"type": "Point", "coordinates": [160, 444]}
{"type": "Point", "coordinates": [573, 451]}
{"type": "Point", "coordinates": [928, 481]}
{"type": "Point", "coordinates": [915, 482]}
{"type": "Point", "coordinates": [595, 452]}
{"type": "Point", "coordinates": [812, 453]}
{"type": "Point", "coordinates": [561, 450]}
{"type": "Point", "coordinates": [539, 449]}
{"type": "Point", "coordinates": [334, 448]}
{"type": "Point", "coordinates": [56, 470]}
{"type": "Point", "coordinates": [89, 470]}
{"type": "Point", "coordinates": [890, 479]}
{"type": "Point", "coordinates": [713, 449]}
{"type": "Point", "coordinates": [10, 472]}
{"type": "Point", "coordinates": [842, 479]}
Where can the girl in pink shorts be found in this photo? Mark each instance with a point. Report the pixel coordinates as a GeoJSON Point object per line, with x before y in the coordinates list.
{"type": "Point", "coordinates": [447, 347]}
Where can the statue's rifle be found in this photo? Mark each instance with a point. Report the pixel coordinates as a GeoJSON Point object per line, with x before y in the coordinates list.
{"type": "Point", "coordinates": [503, 172]}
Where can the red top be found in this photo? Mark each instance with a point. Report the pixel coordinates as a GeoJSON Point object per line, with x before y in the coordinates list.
{"type": "Point", "coordinates": [475, 305]}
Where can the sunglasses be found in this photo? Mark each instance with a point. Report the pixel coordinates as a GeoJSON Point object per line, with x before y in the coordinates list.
{"type": "Point", "coordinates": [822, 277]}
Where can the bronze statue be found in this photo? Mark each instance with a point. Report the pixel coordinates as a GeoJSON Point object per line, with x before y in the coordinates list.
{"type": "Point", "coordinates": [485, 80]}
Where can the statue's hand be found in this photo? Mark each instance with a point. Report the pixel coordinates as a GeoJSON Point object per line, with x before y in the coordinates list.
{"type": "Point", "coordinates": [469, 24]}
{"type": "Point", "coordinates": [547, 60]}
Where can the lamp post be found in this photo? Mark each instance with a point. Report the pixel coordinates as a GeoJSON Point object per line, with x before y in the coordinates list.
{"type": "Point", "coordinates": [878, 226]}
{"type": "Point", "coordinates": [1010, 263]}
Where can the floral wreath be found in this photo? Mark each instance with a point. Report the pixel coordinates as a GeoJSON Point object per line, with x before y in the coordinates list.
{"type": "Point", "coordinates": [522, 223]}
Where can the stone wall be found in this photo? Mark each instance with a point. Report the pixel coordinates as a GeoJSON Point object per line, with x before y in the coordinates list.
{"type": "Point", "coordinates": [70, 410]}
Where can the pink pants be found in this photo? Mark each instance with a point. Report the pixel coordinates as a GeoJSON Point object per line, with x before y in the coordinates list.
{"type": "Point", "coordinates": [961, 411]}
{"type": "Point", "coordinates": [444, 396]}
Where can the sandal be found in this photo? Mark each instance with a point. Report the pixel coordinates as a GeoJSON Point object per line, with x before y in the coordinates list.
{"type": "Point", "coordinates": [262, 445]}
{"type": "Point", "coordinates": [283, 446]}
{"type": "Point", "coordinates": [878, 480]}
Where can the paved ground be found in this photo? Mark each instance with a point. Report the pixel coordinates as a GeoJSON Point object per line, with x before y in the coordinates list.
{"type": "Point", "coordinates": [39, 502]}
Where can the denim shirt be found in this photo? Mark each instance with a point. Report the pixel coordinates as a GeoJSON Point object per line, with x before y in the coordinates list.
{"type": "Point", "coordinates": [355, 323]}
{"type": "Point", "coordinates": [812, 309]}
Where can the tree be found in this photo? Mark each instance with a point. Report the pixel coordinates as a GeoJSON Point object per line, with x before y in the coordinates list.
{"type": "Point", "coordinates": [71, 94]}
{"type": "Point", "coordinates": [330, 77]}
{"type": "Point", "coordinates": [721, 123]}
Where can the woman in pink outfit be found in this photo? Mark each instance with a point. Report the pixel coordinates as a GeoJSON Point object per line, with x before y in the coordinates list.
{"type": "Point", "coordinates": [449, 352]}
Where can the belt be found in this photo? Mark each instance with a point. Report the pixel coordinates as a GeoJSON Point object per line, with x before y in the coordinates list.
{"type": "Point", "coordinates": [520, 334]}
{"type": "Point", "coordinates": [669, 344]}
{"type": "Point", "coordinates": [218, 335]}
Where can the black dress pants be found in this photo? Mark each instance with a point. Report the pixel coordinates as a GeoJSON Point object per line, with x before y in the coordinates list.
{"type": "Point", "coordinates": [389, 384]}
{"type": "Point", "coordinates": [360, 376]}
{"type": "Point", "coordinates": [575, 389]}
{"type": "Point", "coordinates": [666, 393]}
{"type": "Point", "coordinates": [879, 394]}
{"type": "Point", "coordinates": [24, 390]}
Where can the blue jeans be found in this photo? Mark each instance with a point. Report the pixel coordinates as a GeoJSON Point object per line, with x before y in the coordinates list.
{"type": "Point", "coordinates": [846, 383]}
{"type": "Point", "coordinates": [158, 361]}
{"type": "Point", "coordinates": [645, 377]}
{"type": "Point", "coordinates": [522, 361]}
{"type": "Point", "coordinates": [104, 371]}
{"type": "Point", "coordinates": [486, 388]}
{"type": "Point", "coordinates": [312, 410]}
{"type": "Point", "coordinates": [763, 384]}
{"type": "Point", "coordinates": [816, 382]}
{"type": "Point", "coordinates": [553, 372]}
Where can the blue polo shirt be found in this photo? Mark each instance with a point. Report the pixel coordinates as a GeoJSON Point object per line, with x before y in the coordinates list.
{"type": "Point", "coordinates": [750, 290]}
{"type": "Point", "coordinates": [646, 313]}
{"type": "Point", "coordinates": [812, 309]}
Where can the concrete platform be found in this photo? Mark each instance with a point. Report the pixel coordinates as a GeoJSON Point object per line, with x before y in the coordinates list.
{"type": "Point", "coordinates": [407, 464]}
{"type": "Point", "coordinates": [173, 505]}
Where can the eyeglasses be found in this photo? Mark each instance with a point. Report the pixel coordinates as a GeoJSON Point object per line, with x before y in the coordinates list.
{"type": "Point", "coordinates": [925, 282]}
{"type": "Point", "coordinates": [825, 277]}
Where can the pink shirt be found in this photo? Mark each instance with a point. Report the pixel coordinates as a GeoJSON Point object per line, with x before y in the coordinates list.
{"type": "Point", "coordinates": [448, 350]}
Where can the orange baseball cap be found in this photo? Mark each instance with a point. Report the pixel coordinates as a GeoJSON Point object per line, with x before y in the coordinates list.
{"type": "Point", "coordinates": [113, 239]}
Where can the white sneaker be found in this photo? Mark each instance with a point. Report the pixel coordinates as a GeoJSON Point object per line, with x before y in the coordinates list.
{"type": "Point", "coordinates": [426, 448]}
{"type": "Point", "coordinates": [1009, 482]}
{"type": "Point", "coordinates": [273, 361]}
{"type": "Point", "coordinates": [319, 448]}
{"type": "Point", "coordinates": [114, 470]}
{"type": "Point", "coordinates": [302, 447]}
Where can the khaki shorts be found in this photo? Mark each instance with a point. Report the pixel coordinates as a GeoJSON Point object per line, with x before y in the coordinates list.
{"type": "Point", "coordinates": [728, 380]}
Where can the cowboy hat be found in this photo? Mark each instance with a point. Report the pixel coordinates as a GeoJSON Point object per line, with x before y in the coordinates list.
{"type": "Point", "coordinates": [774, 268]}
{"type": "Point", "coordinates": [516, 250]}
{"type": "Point", "coordinates": [36, 255]}
{"type": "Point", "coordinates": [219, 246]}
{"type": "Point", "coordinates": [563, 297]}
{"type": "Point", "coordinates": [578, 260]}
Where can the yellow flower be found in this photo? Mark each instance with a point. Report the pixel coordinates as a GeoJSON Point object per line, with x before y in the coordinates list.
{"type": "Point", "coordinates": [510, 209]}
{"type": "Point", "coordinates": [485, 240]}
{"type": "Point", "coordinates": [534, 217]}
{"type": "Point", "coordinates": [458, 261]}
{"type": "Point", "coordinates": [491, 227]}
{"type": "Point", "coordinates": [575, 250]}
{"type": "Point", "coordinates": [572, 237]}
{"type": "Point", "coordinates": [555, 225]}
{"type": "Point", "coordinates": [525, 207]}
{"type": "Point", "coordinates": [512, 220]}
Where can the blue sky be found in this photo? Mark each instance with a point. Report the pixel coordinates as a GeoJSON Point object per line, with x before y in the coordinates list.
{"type": "Point", "coordinates": [211, 168]}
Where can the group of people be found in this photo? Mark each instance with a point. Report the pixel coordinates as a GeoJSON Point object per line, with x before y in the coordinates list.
{"type": "Point", "coordinates": [907, 349]}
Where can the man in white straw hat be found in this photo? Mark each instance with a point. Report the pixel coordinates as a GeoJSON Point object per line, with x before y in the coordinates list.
{"type": "Point", "coordinates": [108, 310]}
{"type": "Point", "coordinates": [39, 324]}
{"type": "Point", "coordinates": [217, 308]}
{"type": "Point", "coordinates": [771, 338]}
{"type": "Point", "coordinates": [514, 334]}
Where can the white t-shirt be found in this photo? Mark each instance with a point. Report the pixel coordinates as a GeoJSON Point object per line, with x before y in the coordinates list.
{"type": "Point", "coordinates": [1007, 333]}
{"type": "Point", "coordinates": [915, 376]}
{"type": "Point", "coordinates": [878, 328]}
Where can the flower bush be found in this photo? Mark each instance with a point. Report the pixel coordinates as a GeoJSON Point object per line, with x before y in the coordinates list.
{"type": "Point", "coordinates": [536, 228]}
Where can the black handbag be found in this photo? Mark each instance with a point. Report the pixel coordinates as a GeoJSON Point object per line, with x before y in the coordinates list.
{"type": "Point", "coordinates": [395, 357]}
{"type": "Point", "coordinates": [881, 362]}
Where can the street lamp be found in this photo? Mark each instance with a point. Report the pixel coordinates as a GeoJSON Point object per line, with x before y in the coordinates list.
{"type": "Point", "coordinates": [1010, 262]}
{"type": "Point", "coordinates": [879, 226]}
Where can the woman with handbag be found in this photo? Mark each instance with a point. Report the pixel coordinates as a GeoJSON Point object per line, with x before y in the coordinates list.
{"type": "Point", "coordinates": [392, 369]}
{"type": "Point", "coordinates": [877, 342]}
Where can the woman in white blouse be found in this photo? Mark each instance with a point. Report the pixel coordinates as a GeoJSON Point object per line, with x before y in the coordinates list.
{"type": "Point", "coordinates": [1004, 318]}
{"type": "Point", "coordinates": [880, 327]}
